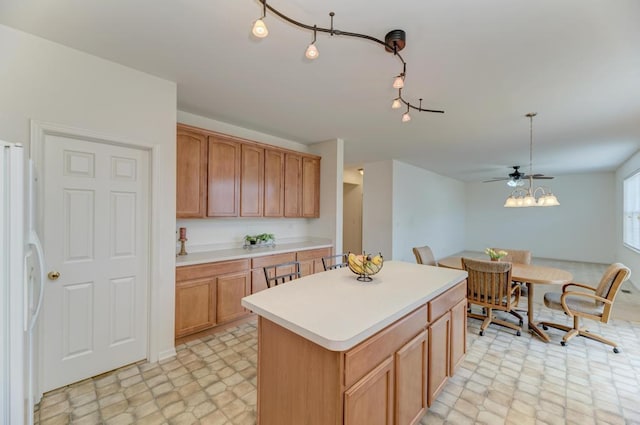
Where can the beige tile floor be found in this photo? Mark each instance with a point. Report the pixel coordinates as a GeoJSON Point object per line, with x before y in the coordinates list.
{"type": "Point", "coordinates": [503, 380]}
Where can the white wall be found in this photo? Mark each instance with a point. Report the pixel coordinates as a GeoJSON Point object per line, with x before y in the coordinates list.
{"type": "Point", "coordinates": [377, 208]}
{"type": "Point", "coordinates": [352, 218]}
{"type": "Point", "coordinates": [329, 225]}
{"type": "Point", "coordinates": [44, 81]}
{"type": "Point", "coordinates": [625, 255]}
{"type": "Point", "coordinates": [428, 209]}
{"type": "Point", "coordinates": [405, 206]}
{"type": "Point", "coordinates": [219, 233]}
{"type": "Point", "coordinates": [582, 228]}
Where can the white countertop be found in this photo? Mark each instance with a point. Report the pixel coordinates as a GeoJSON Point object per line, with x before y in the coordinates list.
{"type": "Point", "coordinates": [337, 312]}
{"type": "Point", "coordinates": [240, 253]}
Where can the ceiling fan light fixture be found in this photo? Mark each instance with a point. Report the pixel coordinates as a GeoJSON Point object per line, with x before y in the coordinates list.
{"type": "Point", "coordinates": [398, 83]}
{"type": "Point", "coordinates": [531, 197]}
{"type": "Point", "coordinates": [396, 103]}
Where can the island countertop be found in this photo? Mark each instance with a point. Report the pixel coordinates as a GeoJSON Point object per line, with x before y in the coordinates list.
{"type": "Point", "coordinates": [337, 312]}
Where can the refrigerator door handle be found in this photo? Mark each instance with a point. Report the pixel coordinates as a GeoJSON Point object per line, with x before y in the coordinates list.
{"type": "Point", "coordinates": [34, 241]}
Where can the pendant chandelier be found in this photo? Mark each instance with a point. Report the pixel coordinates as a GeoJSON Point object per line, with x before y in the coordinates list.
{"type": "Point", "coordinates": [540, 196]}
{"type": "Point", "coordinates": [394, 42]}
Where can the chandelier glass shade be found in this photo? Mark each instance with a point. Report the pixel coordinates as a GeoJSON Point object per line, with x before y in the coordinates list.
{"type": "Point", "coordinates": [540, 196]}
{"type": "Point", "coordinates": [394, 42]}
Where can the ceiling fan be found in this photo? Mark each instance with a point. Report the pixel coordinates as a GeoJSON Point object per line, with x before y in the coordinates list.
{"type": "Point", "coordinates": [517, 178]}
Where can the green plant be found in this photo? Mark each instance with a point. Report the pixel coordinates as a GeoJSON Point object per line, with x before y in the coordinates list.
{"type": "Point", "coordinates": [262, 237]}
{"type": "Point", "coordinates": [495, 255]}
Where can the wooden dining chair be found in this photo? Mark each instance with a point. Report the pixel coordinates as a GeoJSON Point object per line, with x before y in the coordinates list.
{"type": "Point", "coordinates": [489, 286]}
{"type": "Point", "coordinates": [281, 273]}
{"type": "Point", "coordinates": [518, 256]}
{"type": "Point", "coordinates": [337, 261]}
{"type": "Point", "coordinates": [424, 255]}
{"type": "Point", "coordinates": [590, 302]}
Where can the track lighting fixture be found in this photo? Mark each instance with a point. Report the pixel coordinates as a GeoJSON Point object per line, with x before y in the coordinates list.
{"type": "Point", "coordinates": [312, 50]}
{"type": "Point", "coordinates": [393, 42]}
{"type": "Point", "coordinates": [259, 28]}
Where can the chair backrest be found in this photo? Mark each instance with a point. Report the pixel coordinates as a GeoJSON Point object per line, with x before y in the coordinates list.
{"type": "Point", "coordinates": [281, 273]}
{"type": "Point", "coordinates": [337, 261]}
{"type": "Point", "coordinates": [518, 256]}
{"type": "Point", "coordinates": [489, 283]}
{"type": "Point", "coordinates": [612, 278]}
{"type": "Point", "coordinates": [424, 255]}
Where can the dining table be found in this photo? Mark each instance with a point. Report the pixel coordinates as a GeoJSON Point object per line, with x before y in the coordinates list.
{"type": "Point", "coordinates": [531, 275]}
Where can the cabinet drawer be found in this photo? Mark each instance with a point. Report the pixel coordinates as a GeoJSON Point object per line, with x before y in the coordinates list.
{"type": "Point", "coordinates": [446, 301]}
{"type": "Point", "coordinates": [365, 357]}
{"type": "Point", "coordinates": [269, 260]}
{"type": "Point", "coordinates": [210, 269]}
{"type": "Point", "coordinates": [313, 254]}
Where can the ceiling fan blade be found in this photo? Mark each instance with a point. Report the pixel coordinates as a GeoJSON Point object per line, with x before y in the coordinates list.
{"type": "Point", "coordinates": [497, 179]}
{"type": "Point", "coordinates": [541, 177]}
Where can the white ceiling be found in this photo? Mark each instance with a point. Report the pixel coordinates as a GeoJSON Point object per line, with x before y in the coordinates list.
{"type": "Point", "coordinates": [486, 63]}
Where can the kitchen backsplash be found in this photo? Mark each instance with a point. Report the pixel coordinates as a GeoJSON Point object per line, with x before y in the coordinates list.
{"type": "Point", "coordinates": [215, 233]}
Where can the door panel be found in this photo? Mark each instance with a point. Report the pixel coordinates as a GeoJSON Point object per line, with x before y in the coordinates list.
{"type": "Point", "coordinates": [95, 231]}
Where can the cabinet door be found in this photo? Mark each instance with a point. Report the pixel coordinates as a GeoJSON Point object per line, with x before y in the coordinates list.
{"type": "Point", "coordinates": [310, 187]}
{"type": "Point", "coordinates": [458, 335]}
{"type": "Point", "coordinates": [411, 380]}
{"type": "Point", "coordinates": [438, 357]}
{"type": "Point", "coordinates": [195, 306]}
{"type": "Point", "coordinates": [273, 183]}
{"type": "Point", "coordinates": [370, 400]}
{"type": "Point", "coordinates": [230, 289]}
{"type": "Point", "coordinates": [251, 181]}
{"type": "Point", "coordinates": [292, 185]}
{"type": "Point", "coordinates": [191, 174]}
{"type": "Point", "coordinates": [224, 178]}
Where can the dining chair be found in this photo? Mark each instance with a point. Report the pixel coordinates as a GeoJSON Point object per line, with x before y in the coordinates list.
{"type": "Point", "coordinates": [489, 286]}
{"type": "Point", "coordinates": [337, 261]}
{"type": "Point", "coordinates": [281, 273]}
{"type": "Point", "coordinates": [590, 302]}
{"type": "Point", "coordinates": [424, 255]}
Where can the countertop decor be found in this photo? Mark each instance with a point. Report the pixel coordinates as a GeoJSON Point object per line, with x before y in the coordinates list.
{"type": "Point", "coordinates": [364, 265]}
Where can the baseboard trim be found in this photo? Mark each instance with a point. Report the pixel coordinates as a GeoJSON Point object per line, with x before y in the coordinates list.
{"type": "Point", "coordinates": [167, 354]}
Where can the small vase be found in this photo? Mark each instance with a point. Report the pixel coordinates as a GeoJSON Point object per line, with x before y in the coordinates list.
{"type": "Point", "coordinates": [495, 259]}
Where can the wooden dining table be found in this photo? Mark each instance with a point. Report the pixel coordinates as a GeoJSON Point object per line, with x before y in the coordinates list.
{"type": "Point", "coordinates": [530, 274]}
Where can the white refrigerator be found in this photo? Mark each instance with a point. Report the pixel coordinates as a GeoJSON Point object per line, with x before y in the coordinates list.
{"type": "Point", "coordinates": [21, 272]}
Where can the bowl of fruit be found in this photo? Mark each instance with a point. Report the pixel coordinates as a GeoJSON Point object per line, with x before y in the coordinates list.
{"type": "Point", "coordinates": [365, 265]}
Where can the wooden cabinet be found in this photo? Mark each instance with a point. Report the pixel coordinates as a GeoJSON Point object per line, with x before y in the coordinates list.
{"type": "Point", "coordinates": [224, 178]}
{"type": "Point", "coordinates": [273, 183]}
{"type": "Point", "coordinates": [389, 378]}
{"type": "Point", "coordinates": [411, 380]}
{"type": "Point", "coordinates": [230, 289]}
{"type": "Point", "coordinates": [251, 181]}
{"type": "Point", "coordinates": [311, 260]}
{"type": "Point", "coordinates": [210, 294]}
{"type": "Point", "coordinates": [370, 400]}
{"type": "Point", "coordinates": [292, 185]}
{"type": "Point", "coordinates": [310, 203]}
{"type": "Point", "coordinates": [258, 281]}
{"type": "Point", "coordinates": [458, 335]}
{"type": "Point", "coordinates": [438, 354]}
{"type": "Point", "coordinates": [191, 174]}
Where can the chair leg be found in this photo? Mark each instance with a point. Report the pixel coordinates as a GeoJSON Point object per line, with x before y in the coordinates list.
{"type": "Point", "coordinates": [577, 331]}
{"type": "Point", "coordinates": [517, 315]}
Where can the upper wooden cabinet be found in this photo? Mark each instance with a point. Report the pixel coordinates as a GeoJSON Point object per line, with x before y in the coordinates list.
{"type": "Point", "coordinates": [224, 176]}
{"type": "Point", "coordinates": [310, 204]}
{"type": "Point", "coordinates": [252, 181]}
{"type": "Point", "coordinates": [273, 183]}
{"type": "Point", "coordinates": [191, 178]}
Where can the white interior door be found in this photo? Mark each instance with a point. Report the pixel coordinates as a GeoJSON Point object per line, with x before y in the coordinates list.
{"type": "Point", "coordinates": [96, 238]}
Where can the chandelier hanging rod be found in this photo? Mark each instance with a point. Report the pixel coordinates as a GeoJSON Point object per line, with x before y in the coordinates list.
{"type": "Point", "coordinates": [390, 47]}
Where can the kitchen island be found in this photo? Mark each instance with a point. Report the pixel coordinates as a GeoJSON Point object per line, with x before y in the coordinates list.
{"type": "Point", "coordinates": [333, 350]}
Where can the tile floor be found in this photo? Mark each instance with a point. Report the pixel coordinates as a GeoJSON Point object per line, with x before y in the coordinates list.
{"type": "Point", "coordinates": [503, 380]}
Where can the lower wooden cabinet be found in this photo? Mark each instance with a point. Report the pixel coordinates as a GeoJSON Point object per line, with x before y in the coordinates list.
{"type": "Point", "coordinates": [370, 400]}
{"type": "Point", "coordinates": [390, 378]}
{"type": "Point", "coordinates": [311, 260]}
{"type": "Point", "coordinates": [210, 294]}
{"type": "Point", "coordinates": [411, 380]}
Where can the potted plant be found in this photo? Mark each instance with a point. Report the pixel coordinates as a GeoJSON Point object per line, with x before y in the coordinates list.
{"type": "Point", "coordinates": [250, 239]}
{"type": "Point", "coordinates": [495, 255]}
